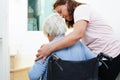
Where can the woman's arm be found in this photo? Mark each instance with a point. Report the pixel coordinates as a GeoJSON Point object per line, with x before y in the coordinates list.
{"type": "Point", "coordinates": [73, 37]}
{"type": "Point", "coordinates": [77, 33]}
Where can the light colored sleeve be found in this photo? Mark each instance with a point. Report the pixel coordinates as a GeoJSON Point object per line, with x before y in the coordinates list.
{"type": "Point", "coordinates": [82, 12]}
{"type": "Point", "coordinates": [38, 69]}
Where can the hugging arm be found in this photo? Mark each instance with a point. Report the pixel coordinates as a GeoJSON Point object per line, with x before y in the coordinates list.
{"type": "Point", "coordinates": [70, 39]}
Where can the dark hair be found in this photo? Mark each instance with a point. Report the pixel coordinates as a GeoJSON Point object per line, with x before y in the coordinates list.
{"type": "Point", "coordinates": [72, 4]}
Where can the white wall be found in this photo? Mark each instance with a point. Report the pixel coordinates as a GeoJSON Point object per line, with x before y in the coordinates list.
{"type": "Point", "coordinates": [22, 42]}
{"type": "Point", "coordinates": [4, 55]}
{"type": "Point", "coordinates": [26, 43]}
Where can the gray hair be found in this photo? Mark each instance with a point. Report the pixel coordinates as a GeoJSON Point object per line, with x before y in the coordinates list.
{"type": "Point", "coordinates": [54, 25]}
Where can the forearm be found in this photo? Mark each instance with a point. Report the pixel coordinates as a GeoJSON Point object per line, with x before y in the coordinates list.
{"type": "Point", "coordinates": [72, 38]}
{"type": "Point", "coordinates": [67, 41]}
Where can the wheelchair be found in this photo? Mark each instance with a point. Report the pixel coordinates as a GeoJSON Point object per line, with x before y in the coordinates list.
{"type": "Point", "coordinates": [59, 69]}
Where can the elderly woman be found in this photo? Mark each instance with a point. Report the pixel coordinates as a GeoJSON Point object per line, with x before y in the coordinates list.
{"type": "Point", "coordinates": [54, 28]}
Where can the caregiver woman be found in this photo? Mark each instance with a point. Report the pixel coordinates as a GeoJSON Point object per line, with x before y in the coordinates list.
{"type": "Point", "coordinates": [91, 28]}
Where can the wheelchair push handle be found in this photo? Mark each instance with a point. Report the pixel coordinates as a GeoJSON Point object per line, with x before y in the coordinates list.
{"type": "Point", "coordinates": [102, 55]}
{"type": "Point", "coordinates": [100, 59]}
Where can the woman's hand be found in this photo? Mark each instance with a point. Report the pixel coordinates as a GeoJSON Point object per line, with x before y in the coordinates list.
{"type": "Point", "coordinates": [44, 52]}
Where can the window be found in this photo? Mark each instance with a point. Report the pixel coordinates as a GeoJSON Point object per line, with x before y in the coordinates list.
{"type": "Point", "coordinates": [38, 10]}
